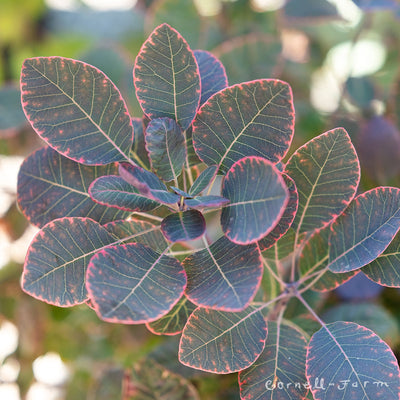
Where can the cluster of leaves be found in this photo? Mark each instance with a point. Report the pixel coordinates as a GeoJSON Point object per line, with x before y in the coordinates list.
{"type": "Point", "coordinates": [123, 205]}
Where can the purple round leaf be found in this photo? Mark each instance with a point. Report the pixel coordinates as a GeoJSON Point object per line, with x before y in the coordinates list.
{"type": "Point", "coordinates": [183, 226]}
{"type": "Point", "coordinates": [133, 284]}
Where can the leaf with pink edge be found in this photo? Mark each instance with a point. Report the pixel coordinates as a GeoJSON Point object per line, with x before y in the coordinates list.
{"type": "Point", "coordinates": [183, 225]}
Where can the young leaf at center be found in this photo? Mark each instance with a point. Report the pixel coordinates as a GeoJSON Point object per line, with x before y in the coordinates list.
{"type": "Point", "coordinates": [166, 146]}
{"type": "Point", "coordinates": [183, 226]}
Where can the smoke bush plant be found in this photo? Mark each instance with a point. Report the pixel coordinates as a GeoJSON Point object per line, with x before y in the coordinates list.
{"type": "Point", "coordinates": [121, 200]}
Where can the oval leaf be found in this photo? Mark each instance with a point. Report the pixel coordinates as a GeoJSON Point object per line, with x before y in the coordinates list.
{"type": "Point", "coordinates": [51, 186]}
{"type": "Point", "coordinates": [209, 337]}
{"type": "Point", "coordinates": [287, 217]}
{"type": "Point", "coordinates": [279, 371]}
{"type": "Point", "coordinates": [249, 119]}
{"type": "Point", "coordinates": [212, 74]}
{"type": "Point", "coordinates": [166, 146]}
{"type": "Point", "coordinates": [184, 225]}
{"type": "Point", "coordinates": [385, 268]}
{"type": "Point", "coordinates": [133, 284]}
{"type": "Point", "coordinates": [76, 109]}
{"type": "Point", "coordinates": [173, 322]}
{"type": "Point", "coordinates": [258, 197]}
{"type": "Point", "coordinates": [55, 266]}
{"type": "Point", "coordinates": [224, 276]}
{"type": "Point", "coordinates": [114, 191]}
{"type": "Point", "coordinates": [203, 180]}
{"type": "Point", "coordinates": [206, 201]}
{"type": "Point", "coordinates": [327, 172]}
{"type": "Point", "coordinates": [348, 361]}
{"type": "Point", "coordinates": [166, 77]}
{"type": "Point", "coordinates": [365, 229]}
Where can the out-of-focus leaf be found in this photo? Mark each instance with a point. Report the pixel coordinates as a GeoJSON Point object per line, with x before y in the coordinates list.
{"type": "Point", "coordinates": [260, 56]}
{"type": "Point", "coordinates": [378, 146]}
{"type": "Point", "coordinates": [372, 316]}
{"type": "Point", "coordinates": [56, 263]}
{"type": "Point", "coordinates": [258, 197]}
{"type": "Point", "coordinates": [361, 91]}
{"type": "Point", "coordinates": [183, 225]}
{"type": "Point", "coordinates": [365, 229]}
{"type": "Point", "coordinates": [132, 284]}
{"type": "Point", "coordinates": [310, 10]}
{"type": "Point", "coordinates": [166, 146]}
{"type": "Point", "coordinates": [167, 78]}
{"type": "Point", "coordinates": [353, 362]}
{"type": "Point", "coordinates": [249, 119]}
{"type": "Point", "coordinates": [287, 217]}
{"type": "Point", "coordinates": [150, 380]}
{"type": "Point", "coordinates": [138, 231]}
{"type": "Point", "coordinates": [224, 276]}
{"type": "Point", "coordinates": [173, 322]}
{"type": "Point", "coordinates": [326, 172]}
{"type": "Point", "coordinates": [212, 74]}
{"type": "Point", "coordinates": [51, 186]}
{"type": "Point", "coordinates": [139, 144]}
{"type": "Point", "coordinates": [114, 191]}
{"type": "Point", "coordinates": [372, 5]}
{"type": "Point", "coordinates": [210, 336]}
{"type": "Point", "coordinates": [76, 109]}
{"type": "Point", "coordinates": [11, 115]}
{"type": "Point", "coordinates": [279, 372]}
{"type": "Point", "coordinates": [359, 287]}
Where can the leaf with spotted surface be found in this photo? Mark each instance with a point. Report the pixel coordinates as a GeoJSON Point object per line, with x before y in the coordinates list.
{"type": "Point", "coordinates": [353, 362]}
{"type": "Point", "coordinates": [222, 342]}
{"type": "Point", "coordinates": [51, 186]}
{"type": "Point", "coordinates": [250, 119]}
{"type": "Point", "coordinates": [365, 229]}
{"type": "Point", "coordinates": [133, 284]}
{"type": "Point", "coordinates": [76, 109]}
{"type": "Point", "coordinates": [56, 263]}
{"type": "Point", "coordinates": [166, 77]}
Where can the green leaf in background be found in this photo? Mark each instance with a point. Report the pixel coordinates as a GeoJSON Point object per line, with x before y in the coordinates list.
{"type": "Point", "coordinates": [372, 316]}
{"type": "Point", "coordinates": [133, 230]}
{"type": "Point", "coordinates": [80, 113]}
{"type": "Point", "coordinates": [114, 191]}
{"type": "Point", "coordinates": [139, 145]}
{"type": "Point", "coordinates": [173, 322]}
{"type": "Point", "coordinates": [258, 197]}
{"type": "Point", "coordinates": [348, 361]}
{"type": "Point", "coordinates": [183, 226]}
{"type": "Point", "coordinates": [59, 187]}
{"type": "Point", "coordinates": [260, 57]}
{"type": "Point", "coordinates": [279, 372]}
{"type": "Point", "coordinates": [165, 144]}
{"type": "Point", "coordinates": [222, 342]}
{"type": "Point", "coordinates": [11, 115]}
{"type": "Point", "coordinates": [133, 284]}
{"type": "Point", "coordinates": [385, 268]}
{"type": "Point", "coordinates": [365, 229]}
{"type": "Point", "coordinates": [55, 266]}
{"type": "Point", "coordinates": [224, 276]}
{"type": "Point", "coordinates": [310, 10]}
{"type": "Point", "coordinates": [326, 172]}
{"type": "Point", "coordinates": [249, 119]}
{"type": "Point", "coordinates": [150, 380]}
{"type": "Point", "coordinates": [166, 77]}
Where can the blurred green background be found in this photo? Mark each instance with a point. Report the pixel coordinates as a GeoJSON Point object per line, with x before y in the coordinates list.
{"type": "Point", "coordinates": [342, 62]}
